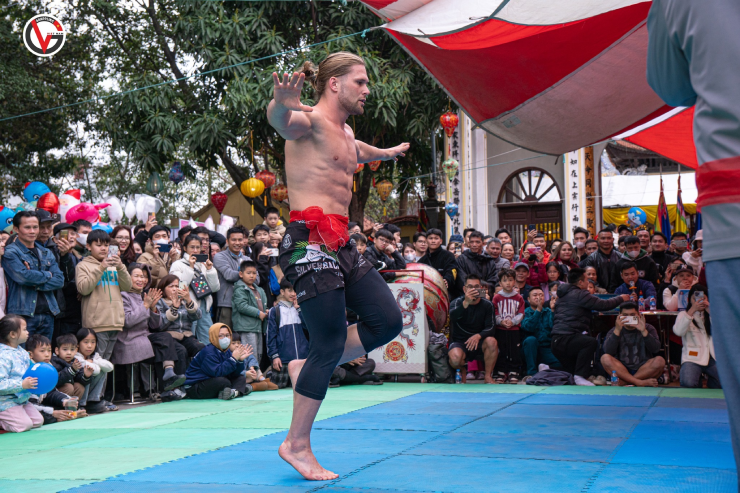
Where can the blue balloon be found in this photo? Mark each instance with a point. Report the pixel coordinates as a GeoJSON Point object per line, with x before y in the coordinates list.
{"type": "Point", "coordinates": [105, 227]}
{"type": "Point", "coordinates": [636, 217]}
{"type": "Point", "coordinates": [6, 218]}
{"type": "Point", "coordinates": [34, 191]}
{"type": "Point", "coordinates": [47, 377]}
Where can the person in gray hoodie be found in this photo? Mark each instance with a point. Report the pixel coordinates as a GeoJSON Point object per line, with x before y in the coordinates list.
{"type": "Point", "coordinates": [227, 264]}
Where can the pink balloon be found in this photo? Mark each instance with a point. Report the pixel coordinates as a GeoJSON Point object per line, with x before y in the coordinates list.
{"type": "Point", "coordinates": [86, 211]}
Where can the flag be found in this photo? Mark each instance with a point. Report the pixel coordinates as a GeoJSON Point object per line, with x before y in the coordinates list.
{"type": "Point", "coordinates": [423, 223]}
{"type": "Point", "coordinates": [682, 225]}
{"type": "Point", "coordinates": [662, 223]}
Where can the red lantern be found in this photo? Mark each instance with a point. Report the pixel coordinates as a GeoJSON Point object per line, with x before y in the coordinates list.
{"type": "Point", "coordinates": [449, 122]}
{"type": "Point", "coordinates": [49, 202]}
{"type": "Point", "coordinates": [279, 192]}
{"type": "Point", "coordinates": [360, 167]}
{"type": "Point", "coordinates": [219, 200]}
{"type": "Point", "coordinates": [374, 165]}
{"type": "Point", "coordinates": [266, 177]}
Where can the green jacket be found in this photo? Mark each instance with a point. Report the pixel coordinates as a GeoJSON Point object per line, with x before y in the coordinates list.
{"type": "Point", "coordinates": [245, 314]}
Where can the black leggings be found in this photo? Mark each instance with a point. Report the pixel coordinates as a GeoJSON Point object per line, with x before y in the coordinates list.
{"type": "Point", "coordinates": [326, 321]}
{"type": "Point", "coordinates": [209, 389]}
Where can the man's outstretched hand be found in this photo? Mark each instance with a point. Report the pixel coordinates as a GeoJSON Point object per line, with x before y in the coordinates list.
{"type": "Point", "coordinates": [288, 92]}
{"type": "Point", "coordinates": [394, 152]}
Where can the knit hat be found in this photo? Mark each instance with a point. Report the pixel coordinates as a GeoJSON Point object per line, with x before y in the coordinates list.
{"type": "Point", "coordinates": [213, 333]}
{"type": "Point", "coordinates": [456, 238]}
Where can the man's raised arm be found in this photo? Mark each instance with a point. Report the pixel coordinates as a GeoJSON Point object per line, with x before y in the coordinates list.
{"type": "Point", "coordinates": [285, 112]}
{"type": "Point", "coordinates": [367, 153]}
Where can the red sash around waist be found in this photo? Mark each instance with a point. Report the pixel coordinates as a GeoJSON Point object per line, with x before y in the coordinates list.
{"type": "Point", "coordinates": [324, 229]}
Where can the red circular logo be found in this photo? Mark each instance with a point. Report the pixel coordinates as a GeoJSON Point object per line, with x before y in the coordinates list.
{"type": "Point", "coordinates": [44, 35]}
{"type": "Point", "coordinates": [395, 351]}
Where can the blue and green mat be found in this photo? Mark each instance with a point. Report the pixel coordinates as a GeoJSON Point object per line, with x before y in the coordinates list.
{"type": "Point", "coordinates": [399, 437]}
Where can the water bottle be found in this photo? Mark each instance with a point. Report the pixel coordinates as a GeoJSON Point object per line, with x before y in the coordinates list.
{"type": "Point", "coordinates": [615, 379]}
{"type": "Point", "coordinates": [653, 304]}
{"type": "Point", "coordinates": [641, 303]}
{"type": "Point", "coordinates": [458, 377]}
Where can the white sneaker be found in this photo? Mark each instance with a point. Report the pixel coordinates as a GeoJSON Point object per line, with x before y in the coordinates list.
{"type": "Point", "coordinates": [543, 367]}
{"type": "Point", "coordinates": [582, 381]}
{"type": "Point", "coordinates": [469, 376]}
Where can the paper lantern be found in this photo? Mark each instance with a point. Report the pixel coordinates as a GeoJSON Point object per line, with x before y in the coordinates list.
{"type": "Point", "coordinates": [279, 192]}
{"type": "Point", "coordinates": [252, 188]}
{"type": "Point", "coordinates": [176, 175]}
{"type": "Point", "coordinates": [219, 200]}
{"type": "Point", "coordinates": [374, 165]}
{"type": "Point", "coordinates": [49, 202]}
{"type": "Point", "coordinates": [266, 177]}
{"type": "Point", "coordinates": [360, 167]}
{"type": "Point", "coordinates": [154, 183]}
{"type": "Point", "coordinates": [449, 166]}
{"type": "Point", "coordinates": [449, 122]}
{"type": "Point", "coordinates": [384, 190]}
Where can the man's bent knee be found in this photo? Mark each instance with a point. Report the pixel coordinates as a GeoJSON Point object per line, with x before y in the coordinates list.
{"type": "Point", "coordinates": [490, 344]}
{"type": "Point", "coordinates": [456, 357]}
{"type": "Point", "coordinates": [607, 360]}
{"type": "Point", "coordinates": [383, 332]}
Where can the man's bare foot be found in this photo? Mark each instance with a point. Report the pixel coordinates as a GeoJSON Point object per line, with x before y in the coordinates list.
{"type": "Point", "coordinates": [305, 462]}
{"type": "Point", "coordinates": [489, 379]}
{"type": "Point", "coordinates": [648, 382]}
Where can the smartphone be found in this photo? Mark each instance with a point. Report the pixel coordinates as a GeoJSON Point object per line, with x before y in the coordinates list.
{"type": "Point", "coordinates": [629, 320]}
{"type": "Point", "coordinates": [482, 292]}
{"type": "Point", "coordinates": [274, 252]}
{"type": "Point", "coordinates": [183, 285]}
{"type": "Point", "coordinates": [531, 227]}
{"type": "Point", "coordinates": [164, 247]}
{"type": "Point", "coordinates": [64, 234]}
{"type": "Point", "coordinates": [112, 250]}
{"type": "Point", "coordinates": [680, 243]}
{"type": "Point", "coordinates": [151, 215]}
{"type": "Point", "coordinates": [698, 296]}
{"type": "Point", "coordinates": [200, 257]}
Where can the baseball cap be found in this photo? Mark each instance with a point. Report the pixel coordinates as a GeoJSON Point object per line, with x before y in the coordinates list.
{"type": "Point", "coordinates": [44, 216]}
{"type": "Point", "coordinates": [521, 264]}
{"type": "Point", "coordinates": [62, 226]}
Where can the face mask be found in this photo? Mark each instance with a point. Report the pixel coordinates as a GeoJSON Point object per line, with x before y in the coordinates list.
{"type": "Point", "coordinates": [82, 239]}
{"type": "Point", "coordinates": [410, 258]}
{"type": "Point", "coordinates": [224, 342]}
{"type": "Point", "coordinates": [580, 244]}
{"type": "Point", "coordinates": [633, 254]}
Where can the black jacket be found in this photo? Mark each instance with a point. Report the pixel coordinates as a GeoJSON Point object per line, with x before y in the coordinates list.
{"type": "Point", "coordinates": [572, 313]}
{"type": "Point", "coordinates": [444, 262]}
{"type": "Point", "coordinates": [662, 260]}
{"type": "Point", "coordinates": [394, 262]}
{"type": "Point", "coordinates": [646, 266]}
{"type": "Point", "coordinates": [606, 269]}
{"type": "Point", "coordinates": [67, 374]}
{"type": "Point", "coordinates": [478, 264]}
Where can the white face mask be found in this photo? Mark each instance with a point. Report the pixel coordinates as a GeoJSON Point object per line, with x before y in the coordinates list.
{"type": "Point", "coordinates": [224, 342]}
{"type": "Point", "coordinates": [580, 244]}
{"type": "Point", "coordinates": [82, 239]}
{"type": "Point", "coordinates": [633, 254]}
{"type": "Point", "coordinates": [410, 257]}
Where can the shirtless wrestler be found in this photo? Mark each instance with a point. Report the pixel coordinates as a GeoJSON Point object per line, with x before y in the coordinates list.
{"type": "Point", "coordinates": [321, 156]}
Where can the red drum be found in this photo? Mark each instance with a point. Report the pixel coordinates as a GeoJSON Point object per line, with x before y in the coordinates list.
{"type": "Point", "coordinates": [436, 299]}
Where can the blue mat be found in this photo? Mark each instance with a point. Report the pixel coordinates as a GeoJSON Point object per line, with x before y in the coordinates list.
{"type": "Point", "coordinates": [557, 427]}
{"type": "Point", "coordinates": [714, 455]}
{"type": "Point", "coordinates": [687, 431]}
{"type": "Point", "coordinates": [417, 422]}
{"type": "Point", "coordinates": [589, 400]}
{"type": "Point", "coordinates": [581, 412]}
{"type": "Point", "coordinates": [403, 406]}
{"type": "Point", "coordinates": [623, 478]}
{"type": "Point", "coordinates": [483, 445]}
{"type": "Point", "coordinates": [678, 414]}
{"type": "Point", "coordinates": [460, 397]}
{"type": "Point", "coordinates": [693, 402]}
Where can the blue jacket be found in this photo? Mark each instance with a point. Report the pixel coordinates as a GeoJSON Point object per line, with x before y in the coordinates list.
{"type": "Point", "coordinates": [647, 288]}
{"type": "Point", "coordinates": [539, 325]}
{"type": "Point", "coordinates": [24, 284]}
{"type": "Point", "coordinates": [13, 364]}
{"type": "Point", "coordinates": [285, 337]}
{"type": "Point", "coordinates": [211, 362]}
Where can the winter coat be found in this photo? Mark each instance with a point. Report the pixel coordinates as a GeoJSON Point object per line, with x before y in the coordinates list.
{"type": "Point", "coordinates": [695, 263]}
{"type": "Point", "coordinates": [160, 265]}
{"type": "Point", "coordinates": [179, 321]}
{"type": "Point", "coordinates": [211, 362]}
{"type": "Point", "coordinates": [480, 265]}
{"type": "Point", "coordinates": [3, 300]}
{"type": "Point", "coordinates": [98, 364]}
{"type": "Point", "coordinates": [227, 267]}
{"type": "Point", "coordinates": [13, 364]}
{"type": "Point", "coordinates": [133, 341]}
{"type": "Point", "coordinates": [181, 269]}
{"type": "Point", "coordinates": [564, 266]}
{"type": "Point", "coordinates": [631, 348]}
{"type": "Point", "coordinates": [393, 262]}
{"type": "Point", "coordinates": [606, 268]}
{"type": "Point", "coordinates": [285, 337]}
{"type": "Point", "coordinates": [25, 284]}
{"type": "Point", "coordinates": [67, 374]}
{"type": "Point", "coordinates": [698, 346]}
{"type": "Point", "coordinates": [538, 324]}
{"type": "Point", "coordinates": [670, 295]}
{"type": "Point", "coordinates": [572, 313]}
{"type": "Point", "coordinates": [101, 288]}
{"type": "Point", "coordinates": [72, 306]}
{"type": "Point", "coordinates": [642, 286]}
{"type": "Point", "coordinates": [446, 265]}
{"type": "Point", "coordinates": [646, 267]}
{"type": "Point", "coordinates": [245, 313]}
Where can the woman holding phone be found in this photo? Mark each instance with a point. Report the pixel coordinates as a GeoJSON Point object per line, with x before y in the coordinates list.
{"type": "Point", "coordinates": [695, 330]}
{"type": "Point", "coordinates": [192, 265]}
{"type": "Point", "coordinates": [122, 235]}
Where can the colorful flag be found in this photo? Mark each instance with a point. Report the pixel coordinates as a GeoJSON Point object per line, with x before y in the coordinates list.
{"type": "Point", "coordinates": [682, 225]}
{"type": "Point", "coordinates": [662, 222]}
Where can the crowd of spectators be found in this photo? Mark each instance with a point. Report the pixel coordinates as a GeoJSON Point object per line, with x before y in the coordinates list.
{"type": "Point", "coordinates": [204, 315]}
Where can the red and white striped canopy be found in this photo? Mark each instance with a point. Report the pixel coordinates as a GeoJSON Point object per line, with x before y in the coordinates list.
{"type": "Point", "coordinates": [546, 75]}
{"type": "Point", "coordinates": [671, 135]}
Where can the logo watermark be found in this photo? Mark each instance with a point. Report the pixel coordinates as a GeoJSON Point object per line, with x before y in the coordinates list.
{"type": "Point", "coordinates": [44, 35]}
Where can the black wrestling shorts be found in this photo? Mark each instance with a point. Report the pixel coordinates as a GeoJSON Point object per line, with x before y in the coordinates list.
{"type": "Point", "coordinates": [314, 269]}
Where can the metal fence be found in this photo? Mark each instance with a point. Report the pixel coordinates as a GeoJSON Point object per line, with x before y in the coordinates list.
{"type": "Point", "coordinates": [519, 232]}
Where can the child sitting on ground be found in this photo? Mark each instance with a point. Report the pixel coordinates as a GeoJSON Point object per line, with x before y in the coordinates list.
{"type": "Point", "coordinates": [89, 358]}
{"type": "Point", "coordinates": [73, 378]}
{"type": "Point", "coordinates": [286, 340]}
{"type": "Point", "coordinates": [509, 309]}
{"type": "Point", "coordinates": [252, 372]}
{"type": "Point", "coordinates": [248, 309]}
{"type": "Point", "coordinates": [51, 405]}
{"type": "Point", "coordinates": [16, 413]}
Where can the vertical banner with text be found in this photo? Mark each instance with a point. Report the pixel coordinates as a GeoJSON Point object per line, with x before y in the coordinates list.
{"type": "Point", "coordinates": [589, 187]}
{"type": "Point", "coordinates": [575, 190]}
{"type": "Point", "coordinates": [453, 149]}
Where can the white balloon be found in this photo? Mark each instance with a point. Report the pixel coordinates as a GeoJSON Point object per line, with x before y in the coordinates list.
{"type": "Point", "coordinates": [209, 223]}
{"type": "Point", "coordinates": [130, 209]}
{"type": "Point", "coordinates": [146, 204]}
{"type": "Point", "coordinates": [115, 211]}
{"type": "Point", "coordinates": [192, 223]}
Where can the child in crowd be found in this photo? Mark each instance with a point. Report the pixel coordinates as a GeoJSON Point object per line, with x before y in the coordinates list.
{"type": "Point", "coordinates": [509, 310]}
{"type": "Point", "coordinates": [52, 404]}
{"type": "Point", "coordinates": [536, 333]}
{"type": "Point", "coordinates": [553, 279]}
{"type": "Point", "coordinates": [248, 305]}
{"type": "Point", "coordinates": [89, 358]}
{"type": "Point", "coordinates": [286, 340]}
{"type": "Point", "coordinates": [73, 377]}
{"type": "Point", "coordinates": [16, 413]}
{"type": "Point", "coordinates": [252, 373]}
{"type": "Point", "coordinates": [591, 286]}
{"type": "Point", "coordinates": [272, 221]}
{"type": "Point", "coordinates": [360, 242]}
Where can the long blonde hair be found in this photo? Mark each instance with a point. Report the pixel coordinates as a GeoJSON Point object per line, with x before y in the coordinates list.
{"type": "Point", "coordinates": [335, 65]}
